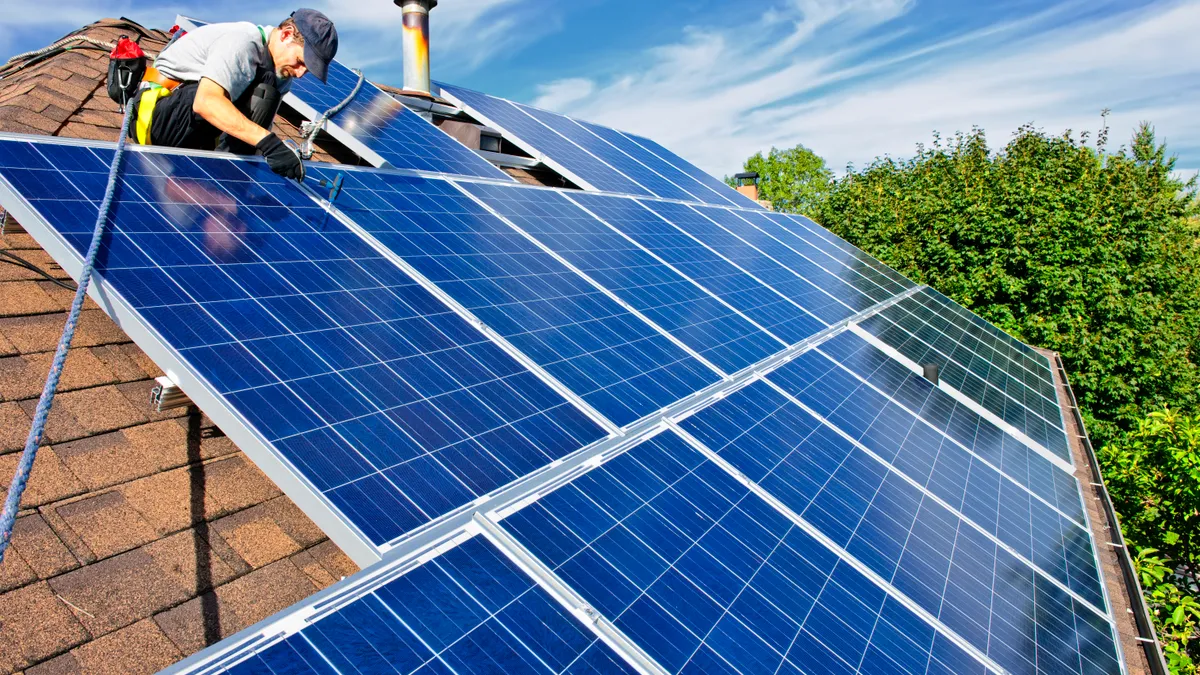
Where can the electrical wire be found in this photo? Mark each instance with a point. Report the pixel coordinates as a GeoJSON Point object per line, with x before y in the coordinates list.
{"type": "Point", "coordinates": [6, 257]}
{"type": "Point", "coordinates": [311, 129]}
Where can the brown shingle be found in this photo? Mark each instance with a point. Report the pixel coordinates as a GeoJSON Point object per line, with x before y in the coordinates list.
{"type": "Point", "coordinates": [14, 572]}
{"type": "Point", "coordinates": [234, 606]}
{"type": "Point", "coordinates": [106, 523]}
{"type": "Point", "coordinates": [87, 412]}
{"type": "Point", "coordinates": [123, 456]}
{"type": "Point", "coordinates": [49, 481]}
{"type": "Point", "coordinates": [237, 483]}
{"type": "Point", "coordinates": [14, 427]}
{"type": "Point", "coordinates": [256, 537]}
{"type": "Point", "coordinates": [191, 561]}
{"type": "Point", "coordinates": [116, 592]}
{"type": "Point", "coordinates": [123, 362]}
{"type": "Point", "coordinates": [41, 549]}
{"type": "Point", "coordinates": [23, 377]}
{"type": "Point", "coordinates": [174, 500]}
{"type": "Point", "coordinates": [333, 559]}
{"type": "Point", "coordinates": [314, 570]}
{"type": "Point", "coordinates": [133, 650]}
{"type": "Point", "coordinates": [35, 625]}
{"type": "Point", "coordinates": [22, 298]}
{"type": "Point", "coordinates": [41, 333]}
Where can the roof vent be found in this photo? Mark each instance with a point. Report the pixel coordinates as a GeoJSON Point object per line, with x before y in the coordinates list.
{"type": "Point", "coordinates": [416, 44]}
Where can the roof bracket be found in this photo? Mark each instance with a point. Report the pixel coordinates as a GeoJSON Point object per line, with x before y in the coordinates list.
{"type": "Point", "coordinates": [167, 395]}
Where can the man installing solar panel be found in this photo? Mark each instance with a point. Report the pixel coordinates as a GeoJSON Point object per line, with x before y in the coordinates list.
{"type": "Point", "coordinates": [219, 86]}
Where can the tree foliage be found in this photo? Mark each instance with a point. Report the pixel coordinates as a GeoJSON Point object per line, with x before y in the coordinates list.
{"type": "Point", "coordinates": [1153, 476]}
{"type": "Point", "coordinates": [794, 180]}
{"type": "Point", "coordinates": [1093, 255]}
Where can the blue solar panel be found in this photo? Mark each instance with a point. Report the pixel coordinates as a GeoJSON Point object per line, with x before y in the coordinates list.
{"type": "Point", "coordinates": [615, 361]}
{"type": "Point", "coordinates": [707, 577]}
{"type": "Point", "coordinates": [469, 610]}
{"type": "Point", "coordinates": [385, 126]}
{"type": "Point", "coordinates": [815, 234]}
{"type": "Point", "coordinates": [602, 150]}
{"type": "Point", "coordinates": [923, 336]}
{"type": "Point", "coordinates": [714, 228]}
{"type": "Point", "coordinates": [989, 596]}
{"type": "Point", "coordinates": [762, 304]}
{"type": "Point", "coordinates": [1002, 507]}
{"type": "Point", "coordinates": [863, 278]}
{"type": "Point", "coordinates": [678, 305]}
{"type": "Point", "coordinates": [735, 197]}
{"type": "Point", "coordinates": [391, 406]}
{"type": "Point", "coordinates": [699, 191]}
{"type": "Point", "coordinates": [539, 139]}
{"type": "Point", "coordinates": [959, 422]}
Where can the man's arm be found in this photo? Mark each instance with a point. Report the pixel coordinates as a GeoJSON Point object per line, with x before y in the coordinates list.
{"type": "Point", "coordinates": [213, 104]}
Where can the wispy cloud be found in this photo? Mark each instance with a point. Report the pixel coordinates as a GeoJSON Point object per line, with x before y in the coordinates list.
{"type": "Point", "coordinates": [848, 79]}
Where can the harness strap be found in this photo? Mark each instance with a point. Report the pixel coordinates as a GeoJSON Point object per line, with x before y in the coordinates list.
{"type": "Point", "coordinates": [150, 98]}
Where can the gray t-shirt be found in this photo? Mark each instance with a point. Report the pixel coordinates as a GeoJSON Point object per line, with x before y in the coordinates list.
{"type": "Point", "coordinates": [229, 54]}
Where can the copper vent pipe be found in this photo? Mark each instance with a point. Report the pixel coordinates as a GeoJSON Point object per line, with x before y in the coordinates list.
{"type": "Point", "coordinates": [416, 43]}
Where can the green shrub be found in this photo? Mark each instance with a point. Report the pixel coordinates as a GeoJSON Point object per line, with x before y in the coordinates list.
{"type": "Point", "coordinates": [1091, 255]}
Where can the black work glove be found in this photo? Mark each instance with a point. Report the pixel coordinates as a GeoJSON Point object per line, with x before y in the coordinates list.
{"type": "Point", "coordinates": [282, 159]}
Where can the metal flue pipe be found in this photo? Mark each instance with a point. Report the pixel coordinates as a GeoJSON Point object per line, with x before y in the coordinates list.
{"type": "Point", "coordinates": [416, 43]}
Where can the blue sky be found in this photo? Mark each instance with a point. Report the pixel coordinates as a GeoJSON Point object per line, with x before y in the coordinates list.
{"type": "Point", "coordinates": [718, 81]}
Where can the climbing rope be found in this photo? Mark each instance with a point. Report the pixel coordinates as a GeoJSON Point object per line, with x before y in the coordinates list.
{"type": "Point", "coordinates": [12, 503]}
{"type": "Point", "coordinates": [311, 129]}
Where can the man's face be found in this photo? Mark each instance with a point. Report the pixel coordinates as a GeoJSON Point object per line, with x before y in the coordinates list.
{"type": "Point", "coordinates": [288, 56]}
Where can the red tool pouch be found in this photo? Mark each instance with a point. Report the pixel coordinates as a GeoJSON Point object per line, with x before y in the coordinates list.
{"type": "Point", "coordinates": [126, 67]}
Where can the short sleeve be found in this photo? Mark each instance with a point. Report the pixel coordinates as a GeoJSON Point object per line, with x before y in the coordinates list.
{"type": "Point", "coordinates": [232, 63]}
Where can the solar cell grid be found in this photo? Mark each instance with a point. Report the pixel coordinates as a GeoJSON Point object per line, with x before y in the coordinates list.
{"type": "Point", "coordinates": [733, 196]}
{"type": "Point", "coordinates": [714, 228]}
{"type": "Point", "coordinates": [615, 361]}
{"type": "Point", "coordinates": [760, 303]}
{"type": "Point", "coordinates": [390, 406]}
{"type": "Point", "coordinates": [707, 577]}
{"type": "Point", "coordinates": [854, 272]}
{"type": "Point", "coordinates": [804, 227]}
{"type": "Point", "coordinates": [1004, 396]}
{"type": "Point", "coordinates": [699, 191]}
{"type": "Point", "coordinates": [913, 392]}
{"type": "Point", "coordinates": [1004, 509]}
{"type": "Point", "coordinates": [992, 598]}
{"type": "Point", "coordinates": [386, 127]}
{"type": "Point", "coordinates": [676, 304]}
{"type": "Point", "coordinates": [544, 141]}
{"type": "Point", "coordinates": [468, 610]}
{"type": "Point", "coordinates": [566, 127]}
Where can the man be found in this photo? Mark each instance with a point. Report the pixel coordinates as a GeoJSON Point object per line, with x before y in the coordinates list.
{"type": "Point", "coordinates": [202, 85]}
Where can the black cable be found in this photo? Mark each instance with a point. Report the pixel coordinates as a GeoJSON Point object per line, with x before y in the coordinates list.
{"type": "Point", "coordinates": [11, 259]}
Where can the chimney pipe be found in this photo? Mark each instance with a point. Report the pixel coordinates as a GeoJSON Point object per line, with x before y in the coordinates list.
{"type": "Point", "coordinates": [747, 183]}
{"type": "Point", "coordinates": [416, 43]}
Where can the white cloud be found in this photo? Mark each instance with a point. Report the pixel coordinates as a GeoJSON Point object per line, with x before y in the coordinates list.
{"type": "Point", "coordinates": [719, 96]}
{"type": "Point", "coordinates": [562, 93]}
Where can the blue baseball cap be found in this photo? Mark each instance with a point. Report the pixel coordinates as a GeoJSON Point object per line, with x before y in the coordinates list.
{"type": "Point", "coordinates": [320, 40]}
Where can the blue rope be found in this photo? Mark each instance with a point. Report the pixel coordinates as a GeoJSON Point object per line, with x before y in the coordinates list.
{"type": "Point", "coordinates": [12, 503]}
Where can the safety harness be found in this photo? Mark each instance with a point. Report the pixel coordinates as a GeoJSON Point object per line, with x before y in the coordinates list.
{"type": "Point", "coordinates": [157, 87]}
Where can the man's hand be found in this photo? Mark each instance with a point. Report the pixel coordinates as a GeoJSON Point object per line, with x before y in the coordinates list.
{"type": "Point", "coordinates": [282, 159]}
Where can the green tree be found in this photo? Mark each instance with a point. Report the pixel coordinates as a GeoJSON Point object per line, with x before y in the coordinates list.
{"type": "Point", "coordinates": [1088, 253]}
{"type": "Point", "coordinates": [794, 180]}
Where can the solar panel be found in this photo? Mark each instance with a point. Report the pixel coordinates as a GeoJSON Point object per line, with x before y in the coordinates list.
{"type": "Point", "coordinates": [469, 609]}
{"type": "Point", "coordinates": [923, 335]}
{"type": "Point", "coordinates": [824, 296]}
{"type": "Point", "coordinates": [735, 197]}
{"type": "Point", "coordinates": [391, 409]}
{"type": "Point", "coordinates": [615, 361]}
{"type": "Point", "coordinates": [572, 161]}
{"type": "Point", "coordinates": [699, 191]}
{"type": "Point", "coordinates": [974, 489]}
{"type": "Point", "coordinates": [803, 227]}
{"type": "Point", "coordinates": [772, 310]}
{"type": "Point", "coordinates": [377, 127]}
{"type": "Point", "coordinates": [683, 309]}
{"type": "Point", "coordinates": [706, 576]}
{"type": "Point", "coordinates": [958, 421]}
{"type": "Point", "coordinates": [1023, 618]}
